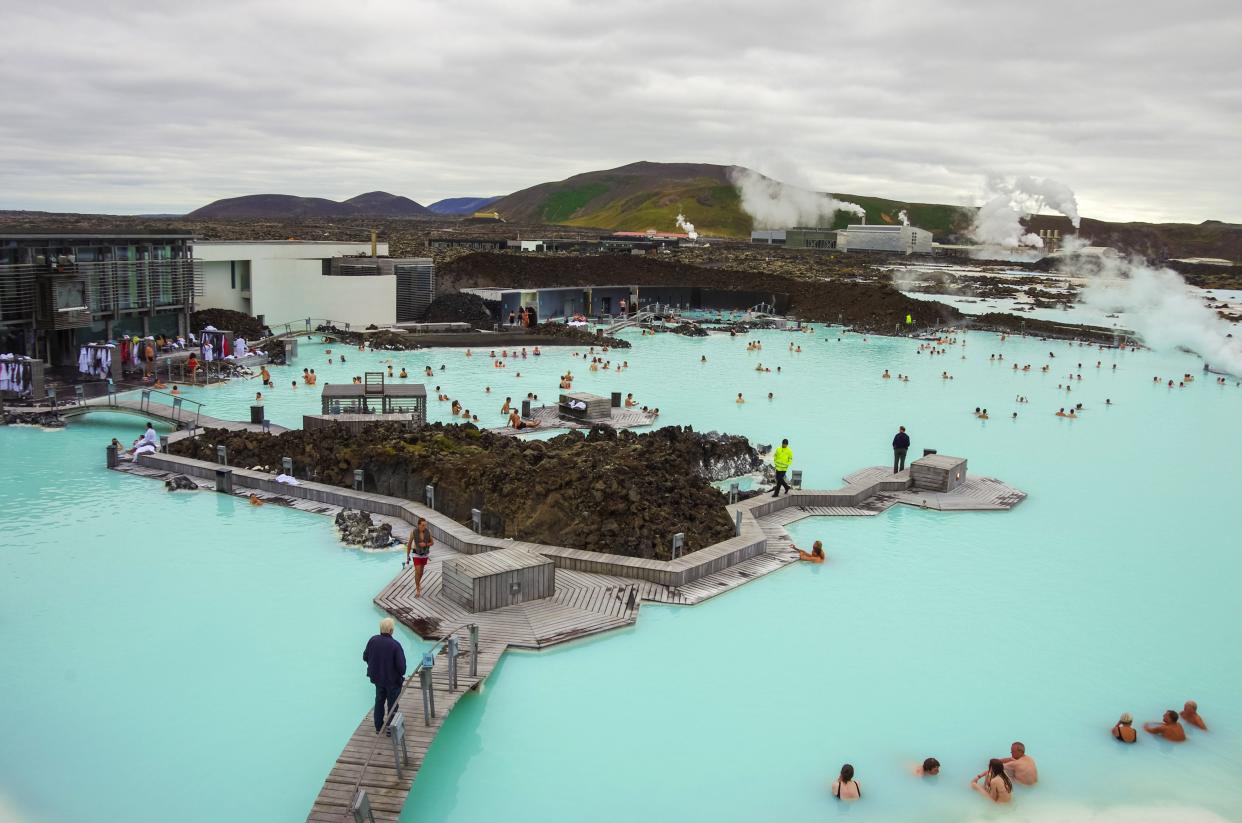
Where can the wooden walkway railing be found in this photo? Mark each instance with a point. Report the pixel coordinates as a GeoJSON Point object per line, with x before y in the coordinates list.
{"type": "Point", "coordinates": [374, 774]}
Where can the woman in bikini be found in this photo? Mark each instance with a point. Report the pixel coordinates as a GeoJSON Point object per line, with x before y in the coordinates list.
{"type": "Point", "coordinates": [994, 784]}
{"type": "Point", "coordinates": [846, 787]}
{"type": "Point", "coordinates": [417, 550]}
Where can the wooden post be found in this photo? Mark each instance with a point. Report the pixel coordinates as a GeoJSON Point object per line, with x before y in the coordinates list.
{"type": "Point", "coordinates": [474, 650]}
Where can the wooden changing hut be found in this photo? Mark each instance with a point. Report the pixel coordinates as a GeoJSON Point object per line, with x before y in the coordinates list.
{"type": "Point", "coordinates": [938, 472]}
{"type": "Point", "coordinates": [491, 580]}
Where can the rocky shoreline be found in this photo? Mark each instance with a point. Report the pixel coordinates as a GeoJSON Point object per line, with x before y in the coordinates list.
{"type": "Point", "coordinates": [605, 491]}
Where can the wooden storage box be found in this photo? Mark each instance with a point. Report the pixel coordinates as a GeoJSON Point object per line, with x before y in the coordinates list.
{"type": "Point", "coordinates": [491, 580]}
{"type": "Point", "coordinates": [938, 472]}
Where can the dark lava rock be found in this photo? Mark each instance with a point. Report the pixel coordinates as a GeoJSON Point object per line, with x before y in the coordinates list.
{"type": "Point", "coordinates": [605, 491]}
{"type": "Point", "coordinates": [463, 308]}
{"type": "Point", "coordinates": [179, 482]}
{"type": "Point", "coordinates": [49, 420]}
{"type": "Point", "coordinates": [577, 335]}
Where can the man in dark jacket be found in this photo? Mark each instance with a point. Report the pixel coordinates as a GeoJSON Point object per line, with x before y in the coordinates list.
{"type": "Point", "coordinates": [385, 661]}
{"type": "Point", "coordinates": [900, 443]}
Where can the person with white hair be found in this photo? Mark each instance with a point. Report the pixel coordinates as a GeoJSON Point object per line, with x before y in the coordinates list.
{"type": "Point", "coordinates": [385, 661]}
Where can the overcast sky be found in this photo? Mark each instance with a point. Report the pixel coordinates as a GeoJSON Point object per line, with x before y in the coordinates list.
{"type": "Point", "coordinates": [124, 106]}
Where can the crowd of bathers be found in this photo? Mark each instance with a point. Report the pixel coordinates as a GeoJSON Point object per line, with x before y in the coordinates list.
{"type": "Point", "coordinates": [996, 782]}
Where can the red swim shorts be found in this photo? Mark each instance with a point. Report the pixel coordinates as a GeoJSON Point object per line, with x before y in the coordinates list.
{"type": "Point", "coordinates": [418, 561]}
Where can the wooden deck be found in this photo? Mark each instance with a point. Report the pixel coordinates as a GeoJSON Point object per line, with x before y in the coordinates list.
{"type": "Point", "coordinates": [583, 605]}
{"type": "Point", "coordinates": [151, 410]}
{"type": "Point", "coordinates": [549, 418]}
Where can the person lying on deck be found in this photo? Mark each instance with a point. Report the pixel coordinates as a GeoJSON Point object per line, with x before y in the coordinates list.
{"type": "Point", "coordinates": [516, 421]}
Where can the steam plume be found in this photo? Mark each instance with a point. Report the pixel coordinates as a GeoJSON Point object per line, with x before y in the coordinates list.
{"type": "Point", "coordinates": [998, 221]}
{"type": "Point", "coordinates": [774, 205]}
{"type": "Point", "coordinates": [903, 217]}
{"type": "Point", "coordinates": [1160, 307]}
{"type": "Point", "coordinates": [686, 226]}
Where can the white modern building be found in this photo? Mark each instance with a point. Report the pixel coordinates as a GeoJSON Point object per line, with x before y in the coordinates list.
{"type": "Point", "coordinates": [287, 280]}
{"type": "Point", "coordinates": [899, 239]}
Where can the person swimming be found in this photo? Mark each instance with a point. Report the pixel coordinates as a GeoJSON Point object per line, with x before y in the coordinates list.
{"type": "Point", "coordinates": [815, 555]}
{"type": "Point", "coordinates": [994, 784]}
{"type": "Point", "coordinates": [1190, 714]}
{"type": "Point", "coordinates": [1168, 728]}
{"type": "Point", "coordinates": [845, 787]}
{"type": "Point", "coordinates": [1124, 730]}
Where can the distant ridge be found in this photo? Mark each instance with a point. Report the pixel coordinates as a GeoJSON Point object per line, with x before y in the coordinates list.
{"type": "Point", "coordinates": [646, 195]}
{"type": "Point", "coordinates": [461, 205]}
{"type": "Point", "coordinates": [250, 206]}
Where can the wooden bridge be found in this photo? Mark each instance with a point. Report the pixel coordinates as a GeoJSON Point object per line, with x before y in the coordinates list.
{"type": "Point", "coordinates": [178, 412]}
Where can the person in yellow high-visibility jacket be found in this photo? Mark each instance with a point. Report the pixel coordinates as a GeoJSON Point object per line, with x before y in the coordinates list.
{"type": "Point", "coordinates": [781, 460]}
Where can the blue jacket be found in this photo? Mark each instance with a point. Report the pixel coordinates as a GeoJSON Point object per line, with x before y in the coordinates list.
{"type": "Point", "coordinates": [385, 660]}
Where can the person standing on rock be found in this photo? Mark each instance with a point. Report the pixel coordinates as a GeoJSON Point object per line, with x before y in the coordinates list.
{"type": "Point", "coordinates": [781, 460]}
{"type": "Point", "coordinates": [385, 661]}
{"type": "Point", "coordinates": [900, 444]}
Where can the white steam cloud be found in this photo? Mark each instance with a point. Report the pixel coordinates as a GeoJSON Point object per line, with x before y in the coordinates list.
{"type": "Point", "coordinates": [774, 205]}
{"type": "Point", "coordinates": [686, 226]}
{"type": "Point", "coordinates": [903, 217]}
{"type": "Point", "coordinates": [1160, 307]}
{"type": "Point", "coordinates": [999, 221]}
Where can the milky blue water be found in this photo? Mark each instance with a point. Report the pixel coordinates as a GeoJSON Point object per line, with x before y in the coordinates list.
{"type": "Point", "coordinates": [1111, 589]}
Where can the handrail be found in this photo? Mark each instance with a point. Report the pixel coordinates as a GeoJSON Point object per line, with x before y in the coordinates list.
{"type": "Point", "coordinates": [388, 717]}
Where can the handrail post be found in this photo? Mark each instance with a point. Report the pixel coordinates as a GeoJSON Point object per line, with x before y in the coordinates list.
{"type": "Point", "coordinates": [396, 730]}
{"type": "Point", "coordinates": [452, 663]}
{"type": "Point", "coordinates": [424, 685]}
{"type": "Point", "coordinates": [474, 650]}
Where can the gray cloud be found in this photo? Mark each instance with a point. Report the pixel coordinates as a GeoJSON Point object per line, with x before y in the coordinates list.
{"type": "Point", "coordinates": [127, 108]}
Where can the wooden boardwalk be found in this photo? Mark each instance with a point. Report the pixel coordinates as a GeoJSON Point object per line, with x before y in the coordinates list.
{"type": "Point", "coordinates": [179, 418]}
{"type": "Point", "coordinates": [583, 605]}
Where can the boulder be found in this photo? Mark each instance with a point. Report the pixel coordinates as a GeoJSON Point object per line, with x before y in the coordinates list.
{"type": "Point", "coordinates": [179, 482]}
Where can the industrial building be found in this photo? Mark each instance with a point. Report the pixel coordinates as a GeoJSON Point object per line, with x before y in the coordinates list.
{"type": "Point", "coordinates": [771, 237]}
{"type": "Point", "coordinates": [810, 238]}
{"type": "Point", "coordinates": [61, 290]}
{"type": "Point", "coordinates": [894, 239]}
{"type": "Point", "coordinates": [560, 303]}
{"type": "Point", "coordinates": [281, 280]}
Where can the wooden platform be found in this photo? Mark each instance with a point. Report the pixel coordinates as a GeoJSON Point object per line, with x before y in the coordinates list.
{"type": "Point", "coordinates": [583, 604]}
{"type": "Point", "coordinates": [549, 418]}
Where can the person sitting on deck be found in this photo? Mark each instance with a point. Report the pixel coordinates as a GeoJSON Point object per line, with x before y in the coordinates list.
{"type": "Point", "coordinates": [1169, 729]}
{"type": "Point", "coordinates": [1124, 730]}
{"type": "Point", "coordinates": [517, 422]}
{"type": "Point", "coordinates": [1190, 713]}
{"type": "Point", "coordinates": [148, 443]}
{"type": "Point", "coordinates": [815, 555]}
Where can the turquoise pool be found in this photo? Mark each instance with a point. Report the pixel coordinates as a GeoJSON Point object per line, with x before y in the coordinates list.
{"type": "Point", "coordinates": [1110, 589]}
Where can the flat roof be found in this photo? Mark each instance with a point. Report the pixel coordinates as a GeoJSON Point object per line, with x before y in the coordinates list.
{"type": "Point", "coordinates": [73, 235]}
{"type": "Point", "coordinates": [359, 390]}
{"type": "Point", "coordinates": [362, 242]}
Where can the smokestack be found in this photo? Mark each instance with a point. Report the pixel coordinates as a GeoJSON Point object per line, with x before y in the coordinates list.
{"type": "Point", "coordinates": [373, 244]}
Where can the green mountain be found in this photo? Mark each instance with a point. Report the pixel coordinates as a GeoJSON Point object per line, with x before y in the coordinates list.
{"type": "Point", "coordinates": [644, 196]}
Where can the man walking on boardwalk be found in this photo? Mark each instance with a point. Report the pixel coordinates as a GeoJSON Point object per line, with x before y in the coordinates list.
{"type": "Point", "coordinates": [385, 661]}
{"type": "Point", "coordinates": [900, 443]}
{"type": "Point", "coordinates": [781, 461]}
